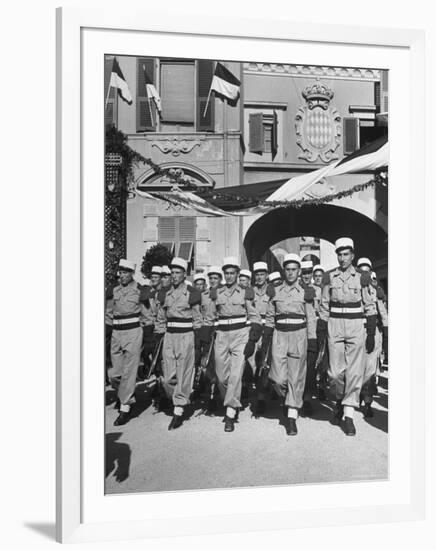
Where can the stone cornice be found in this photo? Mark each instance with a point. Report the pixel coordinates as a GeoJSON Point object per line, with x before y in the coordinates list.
{"type": "Point", "coordinates": [342, 73]}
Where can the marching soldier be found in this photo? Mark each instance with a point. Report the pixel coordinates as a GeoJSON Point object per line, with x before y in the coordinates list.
{"type": "Point", "coordinates": [372, 360]}
{"type": "Point", "coordinates": [245, 278]}
{"type": "Point", "coordinates": [261, 300]}
{"type": "Point", "coordinates": [165, 277]}
{"type": "Point", "coordinates": [275, 278]}
{"type": "Point", "coordinates": [200, 282]}
{"type": "Point", "coordinates": [318, 277]}
{"type": "Point", "coordinates": [312, 347]}
{"type": "Point", "coordinates": [346, 299]}
{"type": "Point", "coordinates": [148, 318]}
{"type": "Point", "coordinates": [235, 340]}
{"type": "Point", "coordinates": [290, 321]}
{"type": "Point", "coordinates": [127, 298]}
{"type": "Point", "coordinates": [179, 313]}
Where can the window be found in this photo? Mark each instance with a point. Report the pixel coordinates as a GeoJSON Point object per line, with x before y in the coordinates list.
{"type": "Point", "coordinates": [183, 86]}
{"type": "Point", "coordinates": [179, 235]}
{"type": "Point", "coordinates": [110, 111]}
{"type": "Point", "coordinates": [263, 133]}
{"type": "Point", "coordinates": [359, 131]}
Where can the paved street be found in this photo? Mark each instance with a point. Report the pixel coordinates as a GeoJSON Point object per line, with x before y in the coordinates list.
{"type": "Point", "coordinates": [144, 456]}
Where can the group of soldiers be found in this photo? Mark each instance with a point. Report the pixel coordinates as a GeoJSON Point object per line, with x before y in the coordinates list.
{"type": "Point", "coordinates": [299, 335]}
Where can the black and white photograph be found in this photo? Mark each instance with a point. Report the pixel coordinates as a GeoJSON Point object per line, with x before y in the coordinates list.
{"type": "Point", "coordinates": [245, 273]}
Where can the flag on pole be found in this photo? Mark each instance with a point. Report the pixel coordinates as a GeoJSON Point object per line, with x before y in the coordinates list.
{"type": "Point", "coordinates": [225, 83]}
{"type": "Point", "coordinates": [118, 81]}
{"type": "Point", "coordinates": [151, 91]}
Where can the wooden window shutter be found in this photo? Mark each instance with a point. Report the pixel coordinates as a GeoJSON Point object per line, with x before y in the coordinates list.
{"type": "Point", "coordinates": [351, 135]}
{"type": "Point", "coordinates": [167, 229]}
{"type": "Point", "coordinates": [384, 91]}
{"type": "Point", "coordinates": [377, 96]}
{"type": "Point", "coordinates": [274, 136]}
{"type": "Point", "coordinates": [187, 229]}
{"type": "Point", "coordinates": [257, 137]}
{"type": "Point", "coordinates": [205, 70]}
{"type": "Point", "coordinates": [177, 86]}
{"type": "Point", "coordinates": [146, 115]}
{"type": "Point", "coordinates": [109, 112]}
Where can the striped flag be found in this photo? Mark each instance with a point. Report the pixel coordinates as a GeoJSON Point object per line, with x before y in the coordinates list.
{"type": "Point", "coordinates": [118, 81]}
{"type": "Point", "coordinates": [225, 84]}
{"type": "Point", "coordinates": [151, 91]}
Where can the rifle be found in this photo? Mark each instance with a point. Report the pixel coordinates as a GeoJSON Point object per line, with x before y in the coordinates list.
{"type": "Point", "coordinates": [321, 353]}
{"type": "Point", "coordinates": [204, 361]}
{"type": "Point", "coordinates": [155, 359]}
{"type": "Point", "coordinates": [263, 369]}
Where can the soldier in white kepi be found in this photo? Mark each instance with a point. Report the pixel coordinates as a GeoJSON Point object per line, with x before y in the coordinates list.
{"type": "Point", "coordinates": [179, 313]}
{"type": "Point", "coordinates": [126, 301]}
{"type": "Point", "coordinates": [233, 306]}
{"type": "Point", "coordinates": [275, 278]}
{"type": "Point", "coordinates": [346, 301]}
{"type": "Point", "coordinates": [290, 321]}
{"type": "Point", "coordinates": [245, 278]}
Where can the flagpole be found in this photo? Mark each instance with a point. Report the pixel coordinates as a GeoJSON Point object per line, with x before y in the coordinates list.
{"type": "Point", "coordinates": [207, 102]}
{"type": "Point", "coordinates": [107, 96]}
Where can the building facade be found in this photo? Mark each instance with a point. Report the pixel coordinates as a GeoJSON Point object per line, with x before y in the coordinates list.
{"type": "Point", "coordinates": [289, 119]}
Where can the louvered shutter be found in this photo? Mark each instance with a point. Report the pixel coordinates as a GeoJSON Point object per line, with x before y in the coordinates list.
{"type": "Point", "coordinates": [205, 69]}
{"type": "Point", "coordinates": [257, 137]}
{"type": "Point", "coordinates": [377, 96]}
{"type": "Point", "coordinates": [384, 91]}
{"type": "Point", "coordinates": [274, 136]}
{"type": "Point", "coordinates": [177, 84]}
{"type": "Point", "coordinates": [167, 229]}
{"type": "Point", "coordinates": [109, 112]}
{"type": "Point", "coordinates": [146, 115]}
{"type": "Point", "coordinates": [351, 134]}
{"type": "Point", "coordinates": [187, 229]}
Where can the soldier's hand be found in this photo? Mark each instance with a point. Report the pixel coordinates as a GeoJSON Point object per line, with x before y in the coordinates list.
{"type": "Point", "coordinates": [370, 342]}
{"type": "Point", "coordinates": [249, 348]}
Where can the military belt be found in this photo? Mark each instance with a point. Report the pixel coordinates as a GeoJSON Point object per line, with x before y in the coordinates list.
{"type": "Point", "coordinates": [179, 325]}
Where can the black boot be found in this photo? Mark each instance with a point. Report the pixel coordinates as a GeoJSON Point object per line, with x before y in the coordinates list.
{"type": "Point", "coordinates": [306, 409]}
{"type": "Point", "coordinates": [229, 424]}
{"type": "Point", "coordinates": [349, 427]}
{"type": "Point", "coordinates": [338, 412]}
{"type": "Point", "coordinates": [176, 422]}
{"type": "Point", "coordinates": [367, 410]}
{"type": "Point", "coordinates": [291, 426]}
{"type": "Point", "coordinates": [122, 418]}
{"type": "Point", "coordinates": [164, 404]}
{"type": "Point", "coordinates": [260, 407]}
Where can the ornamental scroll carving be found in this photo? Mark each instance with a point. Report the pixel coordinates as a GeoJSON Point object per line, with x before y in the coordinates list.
{"type": "Point", "coordinates": [176, 147]}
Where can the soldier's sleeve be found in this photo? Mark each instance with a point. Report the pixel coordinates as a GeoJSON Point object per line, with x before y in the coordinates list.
{"type": "Point", "coordinates": [270, 310]}
{"type": "Point", "coordinates": [195, 303]}
{"type": "Point", "coordinates": [204, 308]}
{"type": "Point", "coordinates": [382, 311]}
{"type": "Point", "coordinates": [109, 306]}
{"type": "Point", "coordinates": [324, 306]}
{"type": "Point", "coordinates": [310, 320]}
{"type": "Point", "coordinates": [369, 295]}
{"type": "Point", "coordinates": [252, 313]}
{"type": "Point", "coordinates": [160, 325]}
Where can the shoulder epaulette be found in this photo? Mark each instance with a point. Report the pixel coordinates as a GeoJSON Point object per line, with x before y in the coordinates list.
{"type": "Point", "coordinates": [309, 293]}
{"type": "Point", "coordinates": [249, 293]}
{"type": "Point", "coordinates": [160, 296]}
{"type": "Point", "coordinates": [270, 291]}
{"type": "Point", "coordinates": [109, 294]}
{"type": "Point", "coordinates": [213, 293]}
{"type": "Point", "coordinates": [325, 279]}
{"type": "Point", "coordinates": [380, 293]}
{"type": "Point", "coordinates": [194, 296]}
{"type": "Point", "coordinates": [365, 278]}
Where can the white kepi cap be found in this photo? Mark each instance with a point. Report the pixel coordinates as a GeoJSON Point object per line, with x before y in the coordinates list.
{"type": "Point", "coordinates": [245, 273]}
{"type": "Point", "coordinates": [156, 269]}
{"type": "Point", "coordinates": [200, 277]}
{"type": "Point", "coordinates": [127, 265]}
{"type": "Point", "coordinates": [215, 270]}
{"type": "Point", "coordinates": [307, 264]}
{"type": "Point", "coordinates": [364, 261]}
{"type": "Point", "coordinates": [166, 270]}
{"type": "Point", "coordinates": [291, 258]}
{"type": "Point", "coordinates": [274, 276]}
{"type": "Point", "coordinates": [344, 242]}
{"type": "Point", "coordinates": [179, 262]}
{"type": "Point", "coordinates": [318, 268]}
{"type": "Point", "coordinates": [230, 261]}
{"type": "Point", "coordinates": [260, 266]}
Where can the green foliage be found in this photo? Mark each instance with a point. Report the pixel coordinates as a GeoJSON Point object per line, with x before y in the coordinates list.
{"type": "Point", "coordinates": [155, 255]}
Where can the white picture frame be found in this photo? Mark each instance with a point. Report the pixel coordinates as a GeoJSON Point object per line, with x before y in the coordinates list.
{"type": "Point", "coordinates": [81, 516]}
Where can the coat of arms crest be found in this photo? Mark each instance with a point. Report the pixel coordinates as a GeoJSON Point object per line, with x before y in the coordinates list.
{"type": "Point", "coordinates": [317, 124]}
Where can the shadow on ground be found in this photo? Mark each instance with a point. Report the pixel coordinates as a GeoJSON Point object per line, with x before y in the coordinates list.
{"type": "Point", "coordinates": [118, 457]}
{"type": "Point", "coordinates": [48, 530]}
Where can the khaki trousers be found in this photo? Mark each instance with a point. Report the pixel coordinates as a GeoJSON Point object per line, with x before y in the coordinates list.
{"type": "Point", "coordinates": [229, 364]}
{"type": "Point", "coordinates": [288, 365]}
{"type": "Point", "coordinates": [178, 356]}
{"type": "Point", "coordinates": [125, 353]}
{"type": "Point", "coordinates": [371, 361]}
{"type": "Point", "coordinates": [346, 344]}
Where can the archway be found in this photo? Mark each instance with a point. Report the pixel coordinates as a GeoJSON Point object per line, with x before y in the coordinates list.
{"type": "Point", "coordinates": [325, 221]}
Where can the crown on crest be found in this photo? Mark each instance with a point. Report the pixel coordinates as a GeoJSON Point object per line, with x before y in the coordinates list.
{"type": "Point", "coordinates": [318, 92]}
